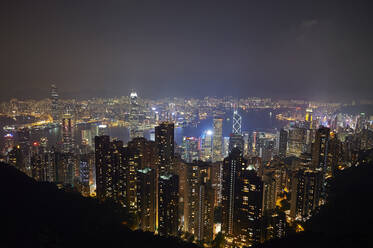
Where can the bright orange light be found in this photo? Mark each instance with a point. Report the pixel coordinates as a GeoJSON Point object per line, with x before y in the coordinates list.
{"type": "Point", "coordinates": [299, 228]}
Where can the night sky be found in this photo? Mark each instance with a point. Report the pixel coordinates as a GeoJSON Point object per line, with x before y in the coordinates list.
{"type": "Point", "coordinates": [298, 49]}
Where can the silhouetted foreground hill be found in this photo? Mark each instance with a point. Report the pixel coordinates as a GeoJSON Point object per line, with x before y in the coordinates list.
{"type": "Point", "coordinates": [347, 220]}
{"type": "Point", "coordinates": [34, 214]}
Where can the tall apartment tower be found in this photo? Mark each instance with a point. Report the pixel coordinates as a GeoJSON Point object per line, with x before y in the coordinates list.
{"type": "Point", "coordinates": [146, 202]}
{"type": "Point", "coordinates": [242, 199]}
{"type": "Point", "coordinates": [283, 143]}
{"type": "Point", "coordinates": [217, 146]}
{"type": "Point", "coordinates": [199, 201]}
{"type": "Point", "coordinates": [110, 181]}
{"type": "Point", "coordinates": [321, 155]}
{"type": "Point", "coordinates": [168, 208]}
{"type": "Point", "coordinates": [305, 193]}
{"type": "Point", "coordinates": [164, 140]}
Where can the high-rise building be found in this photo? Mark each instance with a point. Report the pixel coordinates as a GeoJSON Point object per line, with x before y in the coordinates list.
{"type": "Point", "coordinates": [236, 141]}
{"type": "Point", "coordinates": [164, 140]}
{"type": "Point", "coordinates": [283, 142]}
{"type": "Point", "coordinates": [246, 146]}
{"type": "Point", "coordinates": [217, 147]}
{"type": "Point", "coordinates": [134, 117]}
{"type": "Point", "coordinates": [147, 152]}
{"type": "Point", "coordinates": [309, 117]}
{"type": "Point", "coordinates": [225, 147]}
{"type": "Point", "coordinates": [110, 174]}
{"type": "Point", "coordinates": [274, 225]}
{"type": "Point", "coordinates": [190, 149]}
{"type": "Point", "coordinates": [206, 146]}
{"type": "Point", "coordinates": [321, 156]}
{"type": "Point", "coordinates": [168, 194]}
{"type": "Point", "coordinates": [54, 105]}
{"type": "Point", "coordinates": [216, 180]}
{"type": "Point", "coordinates": [199, 201]}
{"type": "Point", "coordinates": [146, 202]}
{"type": "Point", "coordinates": [242, 197]}
{"type": "Point", "coordinates": [15, 158]}
{"type": "Point", "coordinates": [305, 193]}
{"type": "Point", "coordinates": [269, 191]}
{"type": "Point", "coordinates": [67, 133]}
{"type": "Point", "coordinates": [24, 143]}
{"type": "Point", "coordinates": [266, 149]}
{"type": "Point", "coordinates": [84, 174]}
{"type": "Point", "coordinates": [296, 141]}
{"type": "Point", "coordinates": [237, 119]}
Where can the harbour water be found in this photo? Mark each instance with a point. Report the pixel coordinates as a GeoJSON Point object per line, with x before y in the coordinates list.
{"type": "Point", "coordinates": [253, 119]}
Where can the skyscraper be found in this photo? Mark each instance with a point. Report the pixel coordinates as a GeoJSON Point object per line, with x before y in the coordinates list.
{"type": "Point", "coordinates": [190, 150]}
{"type": "Point", "coordinates": [305, 193]}
{"type": "Point", "coordinates": [236, 129]}
{"type": "Point", "coordinates": [67, 133]}
{"type": "Point", "coordinates": [110, 181]}
{"type": "Point", "coordinates": [54, 105]}
{"type": "Point", "coordinates": [168, 216]}
{"type": "Point", "coordinates": [146, 202]}
{"type": "Point", "coordinates": [199, 201]}
{"type": "Point", "coordinates": [236, 141]}
{"type": "Point", "coordinates": [217, 147]}
{"type": "Point", "coordinates": [283, 142]}
{"type": "Point", "coordinates": [146, 150]}
{"type": "Point", "coordinates": [321, 156]}
{"type": "Point", "coordinates": [164, 140]}
{"type": "Point", "coordinates": [242, 197]}
{"type": "Point", "coordinates": [24, 144]}
{"type": "Point", "coordinates": [206, 147]}
{"type": "Point", "coordinates": [134, 117]}
{"type": "Point", "coordinates": [296, 141]}
{"type": "Point", "coordinates": [309, 117]}
{"type": "Point", "coordinates": [236, 138]}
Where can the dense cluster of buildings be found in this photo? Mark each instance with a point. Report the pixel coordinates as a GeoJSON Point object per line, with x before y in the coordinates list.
{"type": "Point", "coordinates": [250, 186]}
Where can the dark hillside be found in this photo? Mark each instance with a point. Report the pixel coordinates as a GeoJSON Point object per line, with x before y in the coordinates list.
{"type": "Point", "coordinates": [37, 214]}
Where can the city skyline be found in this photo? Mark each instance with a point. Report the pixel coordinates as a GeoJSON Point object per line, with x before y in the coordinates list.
{"type": "Point", "coordinates": [214, 123]}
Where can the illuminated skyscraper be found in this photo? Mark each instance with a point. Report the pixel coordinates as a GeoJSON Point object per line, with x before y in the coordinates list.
{"type": "Point", "coordinates": [236, 138]}
{"type": "Point", "coordinates": [217, 147]}
{"type": "Point", "coordinates": [190, 149]}
{"type": "Point", "coordinates": [296, 144]}
{"type": "Point", "coordinates": [305, 193]}
{"type": "Point", "coordinates": [54, 106]}
{"type": "Point", "coordinates": [110, 175]}
{"type": "Point", "coordinates": [242, 198]}
{"type": "Point", "coordinates": [84, 174]}
{"type": "Point", "coordinates": [147, 152]}
{"type": "Point", "coordinates": [168, 216]}
{"type": "Point", "coordinates": [321, 156]}
{"type": "Point", "coordinates": [24, 144]}
{"type": "Point", "coordinates": [134, 117]}
{"type": "Point", "coordinates": [236, 129]}
{"type": "Point", "coordinates": [206, 148]}
{"type": "Point", "coordinates": [199, 201]}
{"type": "Point", "coordinates": [146, 199]}
{"type": "Point", "coordinates": [236, 141]}
{"type": "Point", "coordinates": [225, 147]}
{"type": "Point", "coordinates": [164, 140]}
{"type": "Point", "coordinates": [246, 146]}
{"type": "Point", "coordinates": [67, 133]}
{"type": "Point", "coordinates": [309, 117]}
{"type": "Point", "coordinates": [283, 142]}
